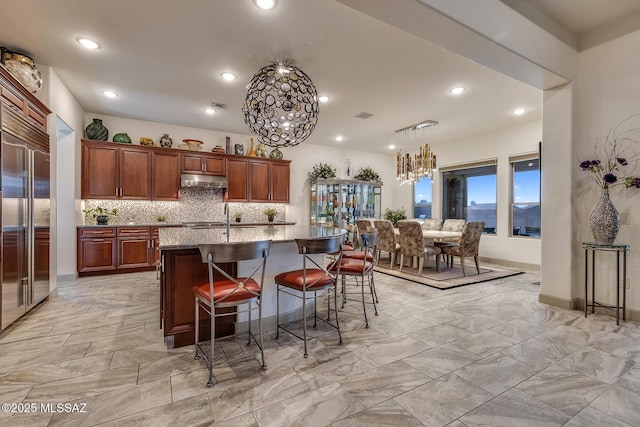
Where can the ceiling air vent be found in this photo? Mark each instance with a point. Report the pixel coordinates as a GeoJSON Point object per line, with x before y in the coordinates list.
{"type": "Point", "coordinates": [363, 115]}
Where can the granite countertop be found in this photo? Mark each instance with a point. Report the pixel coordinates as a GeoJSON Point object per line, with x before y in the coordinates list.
{"type": "Point", "coordinates": [190, 237]}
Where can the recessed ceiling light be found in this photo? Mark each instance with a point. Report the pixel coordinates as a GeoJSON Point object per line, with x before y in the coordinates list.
{"type": "Point", "coordinates": [391, 147]}
{"type": "Point", "coordinates": [210, 110]}
{"type": "Point", "coordinates": [323, 98]}
{"type": "Point", "coordinates": [519, 111]}
{"type": "Point", "coordinates": [89, 44]}
{"type": "Point", "coordinates": [110, 94]}
{"type": "Point", "coordinates": [339, 138]}
{"type": "Point", "coordinates": [265, 4]}
{"type": "Point", "coordinates": [457, 90]}
{"type": "Point", "coordinates": [228, 76]}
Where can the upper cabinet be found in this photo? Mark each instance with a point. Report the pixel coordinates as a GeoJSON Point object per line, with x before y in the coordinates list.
{"type": "Point", "coordinates": [203, 164]}
{"type": "Point", "coordinates": [133, 172]}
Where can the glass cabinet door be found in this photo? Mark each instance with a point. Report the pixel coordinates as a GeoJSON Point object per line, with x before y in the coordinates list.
{"type": "Point", "coordinates": [339, 203]}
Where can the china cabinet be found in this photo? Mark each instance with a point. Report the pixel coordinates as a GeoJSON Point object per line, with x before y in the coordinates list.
{"type": "Point", "coordinates": [339, 203]}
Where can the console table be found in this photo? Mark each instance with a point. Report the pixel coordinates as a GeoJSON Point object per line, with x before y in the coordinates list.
{"type": "Point", "coordinates": [618, 249]}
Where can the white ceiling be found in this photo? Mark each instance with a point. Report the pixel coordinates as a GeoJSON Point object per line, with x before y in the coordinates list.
{"type": "Point", "coordinates": [164, 58]}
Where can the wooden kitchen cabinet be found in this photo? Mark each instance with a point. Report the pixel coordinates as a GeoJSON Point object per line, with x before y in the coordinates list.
{"type": "Point", "coordinates": [97, 249]}
{"type": "Point", "coordinates": [165, 176]}
{"type": "Point", "coordinates": [115, 172]}
{"type": "Point", "coordinates": [269, 181]}
{"type": "Point", "coordinates": [203, 164]}
{"type": "Point", "coordinates": [237, 175]}
{"type": "Point", "coordinates": [134, 245]}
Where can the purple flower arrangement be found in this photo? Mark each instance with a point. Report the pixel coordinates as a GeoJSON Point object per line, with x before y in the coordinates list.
{"type": "Point", "coordinates": [612, 170]}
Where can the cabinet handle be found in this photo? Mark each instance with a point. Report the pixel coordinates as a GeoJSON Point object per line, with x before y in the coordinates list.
{"type": "Point", "coordinates": [116, 191]}
{"type": "Point", "coordinates": [204, 167]}
{"type": "Point", "coordinates": [98, 240]}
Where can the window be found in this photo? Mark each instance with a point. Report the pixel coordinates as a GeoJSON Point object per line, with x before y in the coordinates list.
{"type": "Point", "coordinates": [422, 199]}
{"type": "Point", "coordinates": [470, 194]}
{"type": "Point", "coordinates": [525, 198]}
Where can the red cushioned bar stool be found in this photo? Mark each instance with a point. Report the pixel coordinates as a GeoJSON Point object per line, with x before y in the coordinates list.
{"type": "Point", "coordinates": [228, 291]}
{"type": "Point", "coordinates": [313, 277]}
{"type": "Point", "coordinates": [359, 270]}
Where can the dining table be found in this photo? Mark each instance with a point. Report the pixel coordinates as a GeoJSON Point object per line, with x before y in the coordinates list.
{"type": "Point", "coordinates": [438, 235]}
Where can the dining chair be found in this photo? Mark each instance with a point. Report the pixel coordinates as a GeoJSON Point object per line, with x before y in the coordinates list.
{"type": "Point", "coordinates": [412, 244]}
{"type": "Point", "coordinates": [364, 225]}
{"type": "Point", "coordinates": [360, 272]}
{"type": "Point", "coordinates": [224, 290]}
{"type": "Point", "coordinates": [386, 240]}
{"type": "Point", "coordinates": [313, 277]}
{"type": "Point", "coordinates": [468, 244]}
{"type": "Point", "coordinates": [432, 224]}
{"type": "Point", "coordinates": [451, 224]}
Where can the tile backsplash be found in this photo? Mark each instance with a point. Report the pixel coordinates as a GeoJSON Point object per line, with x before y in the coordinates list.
{"type": "Point", "coordinates": [197, 204]}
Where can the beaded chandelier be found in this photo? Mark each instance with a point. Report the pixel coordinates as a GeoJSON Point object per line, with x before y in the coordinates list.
{"type": "Point", "coordinates": [421, 164]}
{"type": "Point", "coordinates": [281, 106]}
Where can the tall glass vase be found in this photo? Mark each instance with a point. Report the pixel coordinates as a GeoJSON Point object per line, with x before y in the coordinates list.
{"type": "Point", "coordinates": [605, 220]}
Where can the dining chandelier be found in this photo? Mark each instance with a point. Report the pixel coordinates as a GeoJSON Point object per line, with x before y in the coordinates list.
{"type": "Point", "coordinates": [281, 106]}
{"type": "Point", "coordinates": [417, 161]}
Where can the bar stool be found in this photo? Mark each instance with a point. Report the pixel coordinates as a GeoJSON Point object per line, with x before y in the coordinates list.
{"type": "Point", "coordinates": [229, 291]}
{"type": "Point", "coordinates": [359, 268]}
{"type": "Point", "coordinates": [312, 278]}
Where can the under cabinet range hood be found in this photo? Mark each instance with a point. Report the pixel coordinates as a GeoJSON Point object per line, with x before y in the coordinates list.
{"type": "Point", "coordinates": [191, 180]}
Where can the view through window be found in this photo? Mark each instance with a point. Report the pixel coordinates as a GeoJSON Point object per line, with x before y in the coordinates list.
{"type": "Point", "coordinates": [525, 199]}
{"type": "Point", "coordinates": [470, 194]}
{"type": "Point", "coordinates": [422, 199]}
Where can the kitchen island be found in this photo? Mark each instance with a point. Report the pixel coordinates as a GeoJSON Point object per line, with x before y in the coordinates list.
{"type": "Point", "coordinates": [182, 268]}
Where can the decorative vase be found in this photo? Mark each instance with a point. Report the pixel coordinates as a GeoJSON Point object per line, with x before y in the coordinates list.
{"type": "Point", "coordinates": [97, 131]}
{"type": "Point", "coordinates": [238, 219]}
{"type": "Point", "coordinates": [252, 150]}
{"type": "Point", "coordinates": [604, 220]}
{"type": "Point", "coordinates": [166, 141]}
{"type": "Point", "coordinates": [261, 151]}
{"type": "Point", "coordinates": [271, 217]}
{"type": "Point", "coordinates": [239, 149]}
{"type": "Point", "coordinates": [122, 137]}
{"type": "Point", "coordinates": [23, 68]}
{"type": "Point", "coordinates": [102, 219]}
{"type": "Point", "coordinates": [227, 141]}
{"type": "Point", "coordinates": [276, 154]}
{"type": "Point", "coordinates": [348, 169]}
{"type": "Point", "coordinates": [146, 141]}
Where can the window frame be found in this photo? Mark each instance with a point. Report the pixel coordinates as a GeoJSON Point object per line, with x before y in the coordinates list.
{"type": "Point", "coordinates": [513, 203]}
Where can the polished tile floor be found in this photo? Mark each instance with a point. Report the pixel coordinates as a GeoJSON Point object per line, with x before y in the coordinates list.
{"type": "Point", "coordinates": [485, 354]}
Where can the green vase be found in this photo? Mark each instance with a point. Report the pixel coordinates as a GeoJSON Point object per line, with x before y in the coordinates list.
{"type": "Point", "coordinates": [122, 137]}
{"type": "Point", "coordinates": [97, 131]}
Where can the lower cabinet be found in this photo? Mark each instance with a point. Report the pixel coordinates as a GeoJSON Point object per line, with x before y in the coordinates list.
{"type": "Point", "coordinates": [117, 249]}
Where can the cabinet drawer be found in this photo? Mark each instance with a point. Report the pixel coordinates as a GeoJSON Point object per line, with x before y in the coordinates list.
{"type": "Point", "coordinates": [97, 232]}
{"type": "Point", "coordinates": [12, 99]}
{"type": "Point", "coordinates": [133, 231]}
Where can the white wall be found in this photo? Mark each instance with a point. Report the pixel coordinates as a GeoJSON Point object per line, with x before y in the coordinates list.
{"type": "Point", "coordinates": [497, 145]}
{"type": "Point", "coordinates": [608, 89]}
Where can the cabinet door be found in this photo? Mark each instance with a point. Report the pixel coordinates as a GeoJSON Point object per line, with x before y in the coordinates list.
{"type": "Point", "coordinates": [135, 174]}
{"type": "Point", "coordinates": [237, 171]}
{"type": "Point", "coordinates": [279, 182]}
{"type": "Point", "coordinates": [96, 254]}
{"type": "Point", "coordinates": [191, 163]}
{"type": "Point", "coordinates": [100, 172]}
{"type": "Point", "coordinates": [133, 252]}
{"type": "Point", "coordinates": [165, 176]}
{"type": "Point", "coordinates": [214, 165]}
{"type": "Point", "coordinates": [259, 179]}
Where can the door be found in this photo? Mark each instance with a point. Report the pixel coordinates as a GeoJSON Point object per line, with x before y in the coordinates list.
{"type": "Point", "coordinates": [41, 226]}
{"type": "Point", "coordinates": [279, 182]}
{"type": "Point", "coordinates": [259, 178]}
{"type": "Point", "coordinates": [134, 252]}
{"type": "Point", "coordinates": [14, 230]}
{"type": "Point", "coordinates": [135, 176]}
{"type": "Point", "coordinates": [165, 176]}
{"type": "Point", "coordinates": [100, 172]}
{"type": "Point", "coordinates": [237, 177]}
{"type": "Point", "coordinates": [191, 163]}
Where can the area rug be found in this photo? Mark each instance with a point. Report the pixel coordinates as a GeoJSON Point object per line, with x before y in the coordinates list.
{"type": "Point", "coordinates": [447, 277]}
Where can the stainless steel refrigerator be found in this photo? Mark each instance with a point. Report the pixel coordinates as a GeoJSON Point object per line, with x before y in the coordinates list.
{"type": "Point", "coordinates": [25, 223]}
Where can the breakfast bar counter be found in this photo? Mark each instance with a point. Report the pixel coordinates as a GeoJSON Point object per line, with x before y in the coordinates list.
{"type": "Point", "coordinates": [182, 268]}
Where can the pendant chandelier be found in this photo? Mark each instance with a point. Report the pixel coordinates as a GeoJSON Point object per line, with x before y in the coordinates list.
{"type": "Point", "coordinates": [281, 106]}
{"type": "Point", "coordinates": [417, 161]}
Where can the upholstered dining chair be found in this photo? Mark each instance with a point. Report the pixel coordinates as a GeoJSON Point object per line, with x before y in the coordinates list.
{"type": "Point", "coordinates": [364, 226]}
{"type": "Point", "coordinates": [386, 240]}
{"type": "Point", "coordinates": [312, 278]}
{"type": "Point", "coordinates": [453, 224]}
{"type": "Point", "coordinates": [412, 244]}
{"type": "Point", "coordinates": [224, 290]}
{"type": "Point", "coordinates": [468, 244]}
{"type": "Point", "coordinates": [432, 224]}
{"type": "Point", "coordinates": [359, 271]}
